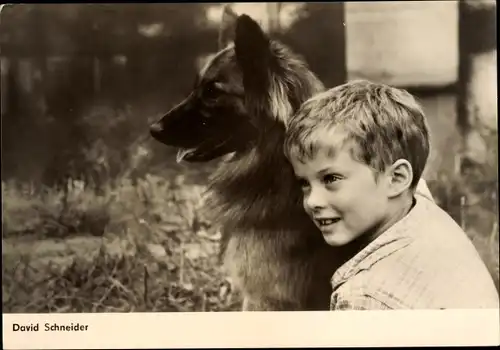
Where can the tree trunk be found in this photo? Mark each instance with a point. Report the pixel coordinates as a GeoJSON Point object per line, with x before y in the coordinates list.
{"type": "Point", "coordinates": [477, 92]}
{"type": "Point", "coordinates": [273, 12]}
{"type": "Point", "coordinates": [4, 76]}
{"type": "Point", "coordinates": [97, 74]}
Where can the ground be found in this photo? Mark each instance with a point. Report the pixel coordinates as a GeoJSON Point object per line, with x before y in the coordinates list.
{"type": "Point", "coordinates": [154, 254]}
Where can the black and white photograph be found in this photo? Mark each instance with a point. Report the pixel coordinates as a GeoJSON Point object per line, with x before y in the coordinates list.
{"type": "Point", "coordinates": [248, 157]}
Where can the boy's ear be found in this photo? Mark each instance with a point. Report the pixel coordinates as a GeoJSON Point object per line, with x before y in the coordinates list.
{"type": "Point", "coordinates": [400, 177]}
{"type": "Point", "coordinates": [228, 27]}
{"type": "Point", "coordinates": [253, 53]}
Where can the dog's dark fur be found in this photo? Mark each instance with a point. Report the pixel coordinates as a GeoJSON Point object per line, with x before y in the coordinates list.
{"type": "Point", "coordinates": [239, 107]}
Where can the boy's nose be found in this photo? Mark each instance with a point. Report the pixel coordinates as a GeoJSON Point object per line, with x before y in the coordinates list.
{"type": "Point", "coordinates": [315, 200]}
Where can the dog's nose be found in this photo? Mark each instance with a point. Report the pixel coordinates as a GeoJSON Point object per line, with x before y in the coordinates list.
{"type": "Point", "coordinates": [156, 128]}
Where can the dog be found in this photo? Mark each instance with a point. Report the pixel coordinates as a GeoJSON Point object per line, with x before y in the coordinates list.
{"type": "Point", "coordinates": [237, 112]}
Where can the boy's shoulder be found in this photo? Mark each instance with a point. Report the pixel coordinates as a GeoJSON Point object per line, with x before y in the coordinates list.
{"type": "Point", "coordinates": [426, 260]}
{"type": "Point", "coordinates": [426, 215]}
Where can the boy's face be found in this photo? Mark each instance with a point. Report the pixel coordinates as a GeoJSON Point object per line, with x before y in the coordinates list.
{"type": "Point", "coordinates": [341, 195]}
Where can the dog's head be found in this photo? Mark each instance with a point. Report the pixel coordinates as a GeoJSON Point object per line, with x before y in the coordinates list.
{"type": "Point", "coordinates": [251, 82]}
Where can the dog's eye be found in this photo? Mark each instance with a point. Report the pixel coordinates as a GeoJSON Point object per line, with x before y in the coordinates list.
{"type": "Point", "coordinates": [212, 90]}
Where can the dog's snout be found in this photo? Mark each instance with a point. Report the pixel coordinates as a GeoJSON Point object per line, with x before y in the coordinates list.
{"type": "Point", "coordinates": [156, 128]}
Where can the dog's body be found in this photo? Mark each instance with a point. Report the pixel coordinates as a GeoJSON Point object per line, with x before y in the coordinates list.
{"type": "Point", "coordinates": [239, 107]}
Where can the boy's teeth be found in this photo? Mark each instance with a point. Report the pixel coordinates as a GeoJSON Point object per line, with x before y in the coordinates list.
{"type": "Point", "coordinates": [326, 221]}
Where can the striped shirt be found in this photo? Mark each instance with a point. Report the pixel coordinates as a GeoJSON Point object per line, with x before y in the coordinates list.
{"type": "Point", "coordinates": [424, 261]}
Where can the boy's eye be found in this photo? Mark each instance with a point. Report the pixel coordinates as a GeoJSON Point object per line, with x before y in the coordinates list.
{"type": "Point", "coordinates": [330, 178]}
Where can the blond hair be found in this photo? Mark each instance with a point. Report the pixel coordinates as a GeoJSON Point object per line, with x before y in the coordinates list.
{"type": "Point", "coordinates": [384, 123]}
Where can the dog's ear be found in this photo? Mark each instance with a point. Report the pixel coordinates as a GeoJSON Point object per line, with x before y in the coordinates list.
{"type": "Point", "coordinates": [228, 27]}
{"type": "Point", "coordinates": [253, 53]}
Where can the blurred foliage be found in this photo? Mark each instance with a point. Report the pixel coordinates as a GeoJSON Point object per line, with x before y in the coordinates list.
{"type": "Point", "coordinates": [62, 60]}
{"type": "Point", "coordinates": [142, 247]}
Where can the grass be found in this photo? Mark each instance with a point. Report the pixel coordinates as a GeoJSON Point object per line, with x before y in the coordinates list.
{"type": "Point", "coordinates": [135, 247]}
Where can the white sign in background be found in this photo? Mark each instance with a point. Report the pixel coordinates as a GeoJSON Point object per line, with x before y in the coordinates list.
{"type": "Point", "coordinates": [403, 42]}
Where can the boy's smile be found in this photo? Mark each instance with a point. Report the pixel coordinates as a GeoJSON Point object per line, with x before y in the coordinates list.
{"type": "Point", "coordinates": [342, 195]}
{"type": "Point", "coordinates": [326, 222]}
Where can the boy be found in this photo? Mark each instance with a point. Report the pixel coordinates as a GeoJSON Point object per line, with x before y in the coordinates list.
{"type": "Point", "coordinates": [359, 151]}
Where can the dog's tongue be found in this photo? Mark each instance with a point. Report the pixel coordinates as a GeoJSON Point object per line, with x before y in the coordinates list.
{"type": "Point", "coordinates": [182, 153]}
